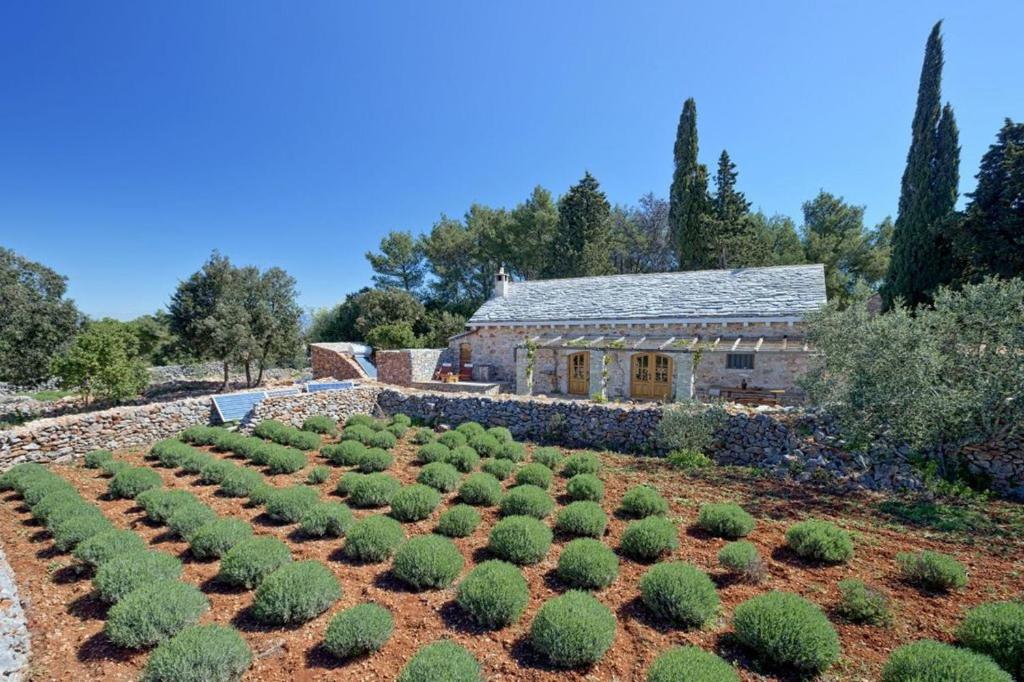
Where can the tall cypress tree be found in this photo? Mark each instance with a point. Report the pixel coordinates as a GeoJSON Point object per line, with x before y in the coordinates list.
{"type": "Point", "coordinates": [688, 196]}
{"type": "Point", "coordinates": [928, 192]}
{"type": "Point", "coordinates": [730, 205]}
{"type": "Point", "coordinates": [580, 245]}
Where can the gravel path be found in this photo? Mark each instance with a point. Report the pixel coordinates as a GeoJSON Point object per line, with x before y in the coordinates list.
{"type": "Point", "coordinates": [14, 638]}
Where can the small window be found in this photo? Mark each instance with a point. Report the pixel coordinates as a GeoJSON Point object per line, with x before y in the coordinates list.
{"type": "Point", "coordinates": [739, 361]}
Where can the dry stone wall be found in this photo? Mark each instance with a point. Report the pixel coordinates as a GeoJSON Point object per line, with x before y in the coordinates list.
{"type": "Point", "coordinates": [339, 405]}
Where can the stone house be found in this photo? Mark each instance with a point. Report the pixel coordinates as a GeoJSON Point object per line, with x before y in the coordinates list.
{"type": "Point", "coordinates": [734, 334]}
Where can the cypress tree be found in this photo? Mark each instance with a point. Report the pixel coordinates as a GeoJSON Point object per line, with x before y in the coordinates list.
{"type": "Point", "coordinates": [581, 244]}
{"type": "Point", "coordinates": [928, 190]}
{"type": "Point", "coordinates": [730, 205]}
{"type": "Point", "coordinates": [688, 196]}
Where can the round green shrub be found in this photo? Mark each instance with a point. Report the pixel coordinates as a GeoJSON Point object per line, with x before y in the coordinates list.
{"type": "Point", "coordinates": [346, 482]}
{"type": "Point", "coordinates": [154, 612]}
{"type": "Point", "coordinates": [930, 661]}
{"type": "Point", "coordinates": [50, 504]}
{"type": "Point", "coordinates": [494, 594]}
{"type": "Point", "coordinates": [193, 462]}
{"type": "Point", "coordinates": [261, 494]}
{"type": "Point", "coordinates": [14, 478]}
{"type": "Point", "coordinates": [583, 487]}
{"type": "Point", "coordinates": [110, 468]}
{"type": "Point", "coordinates": [861, 603]}
{"type": "Point", "coordinates": [70, 531]}
{"type": "Point", "coordinates": [581, 463]}
{"type": "Point", "coordinates": [480, 489]}
{"type": "Point", "coordinates": [463, 458]}
{"type": "Point", "coordinates": [200, 434]}
{"type": "Point", "coordinates": [643, 501]}
{"type": "Point", "coordinates": [423, 436]}
{"type": "Point", "coordinates": [690, 664]}
{"type": "Point", "coordinates": [400, 418]}
{"type": "Point", "coordinates": [160, 503]}
{"type": "Point", "coordinates": [214, 539]}
{"type": "Point", "coordinates": [169, 452]}
{"type": "Point", "coordinates": [255, 450]}
{"type": "Point", "coordinates": [501, 434]}
{"type": "Point", "coordinates": [361, 629]}
{"type": "Point", "coordinates": [358, 432]}
{"type": "Point", "coordinates": [996, 630]}
{"type": "Point", "coordinates": [107, 545]}
{"type": "Point", "coordinates": [396, 430]}
{"type": "Point", "coordinates": [679, 593]}
{"type": "Point", "coordinates": [201, 653]}
{"type": "Point", "coordinates": [240, 482]}
{"type": "Point", "coordinates": [458, 522]}
{"type": "Point", "coordinates": [440, 476]}
{"type": "Point", "coordinates": [360, 420]}
{"type": "Point", "coordinates": [486, 445]}
{"type": "Point", "coordinates": [373, 490]}
{"type": "Point", "coordinates": [499, 468]}
{"type": "Point", "coordinates": [250, 561]}
{"type": "Point", "coordinates": [374, 459]}
{"type": "Point", "coordinates": [414, 502]}
{"type": "Point", "coordinates": [227, 441]}
{"type": "Point", "coordinates": [285, 460]}
{"type": "Point", "coordinates": [514, 452]}
{"type": "Point", "coordinates": [385, 440]}
{"type": "Point", "coordinates": [66, 508]}
{"type": "Point", "coordinates": [428, 562]}
{"type": "Point", "coordinates": [35, 491]}
{"type": "Point", "coordinates": [820, 541]}
{"type": "Point", "coordinates": [534, 474]}
{"type": "Point", "coordinates": [584, 518]}
{"type": "Point", "coordinates": [347, 453]}
{"type": "Point", "coordinates": [120, 575]}
{"type": "Point", "coordinates": [520, 539]}
{"type": "Point", "coordinates": [932, 570]}
{"type": "Point", "coordinates": [573, 630]}
{"type": "Point", "coordinates": [728, 521]}
{"type": "Point", "coordinates": [94, 459]}
{"type": "Point", "coordinates": [787, 630]}
{"type": "Point", "coordinates": [742, 557]}
{"type": "Point", "coordinates": [322, 424]}
{"type": "Point", "coordinates": [433, 452]}
{"type": "Point", "coordinates": [215, 470]}
{"type": "Point", "coordinates": [130, 482]}
{"type": "Point", "coordinates": [470, 429]}
{"type": "Point", "coordinates": [444, 660]}
{"type": "Point", "coordinates": [373, 539]}
{"type": "Point", "coordinates": [326, 519]}
{"type": "Point", "coordinates": [587, 564]}
{"type": "Point", "coordinates": [289, 504]}
{"type": "Point", "coordinates": [453, 439]}
{"type": "Point", "coordinates": [527, 500]}
{"type": "Point", "coordinates": [549, 457]}
{"type": "Point", "coordinates": [295, 593]}
{"type": "Point", "coordinates": [185, 520]}
{"type": "Point", "coordinates": [650, 538]}
{"type": "Point", "coordinates": [318, 475]}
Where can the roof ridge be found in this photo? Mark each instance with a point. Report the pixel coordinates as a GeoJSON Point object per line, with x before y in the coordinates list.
{"type": "Point", "coordinates": [670, 272]}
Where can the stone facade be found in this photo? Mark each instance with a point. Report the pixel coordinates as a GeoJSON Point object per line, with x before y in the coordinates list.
{"type": "Point", "coordinates": [409, 366]}
{"type": "Point", "coordinates": [329, 363]}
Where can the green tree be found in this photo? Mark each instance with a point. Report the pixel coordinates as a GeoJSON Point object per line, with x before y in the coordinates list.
{"type": "Point", "coordinates": [439, 326]}
{"type": "Point", "coordinates": [337, 323]}
{"type": "Point", "coordinates": [455, 250]}
{"type": "Point", "coordinates": [103, 361]}
{"type": "Point", "coordinates": [580, 247]}
{"type": "Point", "coordinates": [728, 203]}
{"type": "Point", "coordinates": [386, 306]}
{"type": "Point", "coordinates": [274, 320]}
{"type": "Point", "coordinates": [399, 263]}
{"type": "Point", "coordinates": [778, 239]}
{"type": "Point", "coordinates": [532, 227]}
{"type": "Point", "coordinates": [36, 320]}
{"type": "Point", "coordinates": [639, 237]}
{"type": "Point", "coordinates": [688, 196]}
{"type": "Point", "coordinates": [922, 247]}
{"type": "Point", "coordinates": [158, 345]}
{"type": "Point", "coordinates": [392, 336]}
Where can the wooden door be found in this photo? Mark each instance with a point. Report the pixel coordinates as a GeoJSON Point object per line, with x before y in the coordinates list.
{"type": "Point", "coordinates": [651, 376]}
{"type": "Point", "coordinates": [465, 355]}
{"type": "Point", "coordinates": [579, 373]}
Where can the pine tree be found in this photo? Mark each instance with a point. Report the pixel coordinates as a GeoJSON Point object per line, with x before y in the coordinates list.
{"type": "Point", "coordinates": [928, 191]}
{"type": "Point", "coordinates": [688, 196]}
{"type": "Point", "coordinates": [730, 205]}
{"type": "Point", "coordinates": [580, 247]}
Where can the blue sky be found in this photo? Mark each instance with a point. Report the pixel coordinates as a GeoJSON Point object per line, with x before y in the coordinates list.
{"type": "Point", "coordinates": [135, 137]}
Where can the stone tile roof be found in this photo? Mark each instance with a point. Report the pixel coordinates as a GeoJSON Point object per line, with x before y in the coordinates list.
{"type": "Point", "coordinates": [781, 291]}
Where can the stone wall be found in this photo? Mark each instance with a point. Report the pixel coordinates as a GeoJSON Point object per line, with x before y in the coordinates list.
{"type": "Point", "coordinates": [409, 366]}
{"type": "Point", "coordinates": [327, 363]}
{"type": "Point", "coordinates": [339, 405]}
{"type": "Point", "coordinates": [1003, 463]}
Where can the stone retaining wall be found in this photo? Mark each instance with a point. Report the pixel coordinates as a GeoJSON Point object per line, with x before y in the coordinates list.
{"type": "Point", "coordinates": [409, 366]}
{"type": "Point", "coordinates": [339, 405]}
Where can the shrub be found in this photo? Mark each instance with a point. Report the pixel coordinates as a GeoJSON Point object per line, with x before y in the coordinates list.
{"type": "Point", "coordinates": [360, 420]}
{"type": "Point", "coordinates": [932, 570]}
{"type": "Point", "coordinates": [820, 541]}
{"type": "Point", "coordinates": [480, 489]}
{"type": "Point", "coordinates": [199, 434]}
{"type": "Point", "coordinates": [679, 593]}
{"type": "Point", "coordinates": [261, 494]}
{"type": "Point", "coordinates": [501, 434]}
{"type": "Point", "coordinates": [585, 487]}
{"type": "Point", "coordinates": [215, 470]}
{"type": "Point", "coordinates": [582, 518]}
{"type": "Point", "coordinates": [549, 457]}
{"type": "Point", "coordinates": [527, 500]}
{"type": "Point", "coordinates": [104, 546]}
{"type": "Point", "coordinates": [65, 508]}
{"type": "Point", "coordinates": [690, 664]}
{"type": "Point", "coordinates": [36, 491]}
{"type": "Point", "coordinates": [286, 460]}
{"type": "Point", "coordinates": [201, 653]}
{"type": "Point", "coordinates": [289, 504]}
{"type": "Point", "coordinates": [787, 630]}
{"type": "Point", "coordinates": [374, 459]}
{"type": "Point", "coordinates": [384, 440]}
{"type": "Point", "coordinates": [458, 522]}
{"type": "Point", "coordinates": [346, 482]}
{"type": "Point", "coordinates": [214, 539]}
{"type": "Point", "coordinates": [240, 482]}
{"type": "Point", "coordinates": [428, 562]}
{"type": "Point", "coordinates": [14, 477]}
{"type": "Point", "coordinates": [689, 426]}
{"type": "Point", "coordinates": [295, 593]}
{"type": "Point", "coordinates": [581, 463]}
{"type": "Point", "coordinates": [154, 612]}
{"type": "Point", "coordinates": [373, 539]}
{"type": "Point", "coordinates": [689, 459]}
{"type": "Point", "coordinates": [520, 539]}
{"type": "Point", "coordinates": [423, 436]}
{"type": "Point", "coordinates": [111, 467]}
{"type": "Point", "coordinates": [361, 629]}
{"type": "Point", "coordinates": [373, 490]}
{"type": "Point", "coordinates": [463, 458]}
{"type": "Point", "coordinates": [860, 603]}
{"type": "Point", "coordinates": [94, 459]}
{"type": "Point", "coordinates": [326, 518]}
{"type": "Point", "coordinates": [160, 503]}
{"type": "Point", "coordinates": [53, 502]}
{"type": "Point", "coordinates": [930, 661]}
{"type": "Point", "coordinates": [573, 630]}
{"type": "Point", "coordinates": [650, 538]}
{"type": "Point", "coordinates": [130, 482]}
{"type": "Point", "coordinates": [117, 577]}
{"type": "Point", "coordinates": [470, 429]}
{"type": "Point", "coordinates": [440, 476]}
{"type": "Point", "coordinates": [250, 561]}
{"type": "Point", "coordinates": [346, 453]}
{"type": "Point", "coordinates": [494, 594]}
{"type": "Point", "coordinates": [514, 452]}
{"type": "Point", "coordinates": [287, 435]}
{"type": "Point", "coordinates": [444, 660]}
{"type": "Point", "coordinates": [996, 630]}
{"type": "Point", "coordinates": [742, 557]}
{"type": "Point", "coordinates": [194, 461]}
{"type": "Point", "coordinates": [321, 424]}
{"type": "Point", "coordinates": [728, 521]}
{"type": "Point", "coordinates": [453, 439]}
{"type": "Point", "coordinates": [534, 474]}
{"type": "Point", "coordinates": [185, 520]}
{"type": "Point", "coordinates": [414, 502]}
{"type": "Point", "coordinates": [643, 501]}
{"type": "Point", "coordinates": [587, 564]}
{"type": "Point", "coordinates": [400, 418]}
{"type": "Point", "coordinates": [227, 441]}
{"type": "Point", "coordinates": [396, 430]}
{"type": "Point", "coordinates": [433, 452]}
{"type": "Point", "coordinates": [486, 445]}
{"type": "Point", "coordinates": [70, 531]}
{"type": "Point", "coordinates": [499, 468]}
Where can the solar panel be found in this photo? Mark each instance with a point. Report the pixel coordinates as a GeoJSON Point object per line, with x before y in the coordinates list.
{"type": "Point", "coordinates": [367, 366]}
{"type": "Point", "coordinates": [236, 406]}
{"type": "Point", "coordinates": [329, 386]}
{"type": "Point", "coordinates": [278, 392]}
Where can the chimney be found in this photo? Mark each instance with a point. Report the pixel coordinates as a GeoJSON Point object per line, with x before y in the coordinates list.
{"type": "Point", "coordinates": [502, 282]}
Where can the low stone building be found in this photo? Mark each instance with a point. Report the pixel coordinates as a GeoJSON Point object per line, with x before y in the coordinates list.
{"type": "Point", "coordinates": [734, 334]}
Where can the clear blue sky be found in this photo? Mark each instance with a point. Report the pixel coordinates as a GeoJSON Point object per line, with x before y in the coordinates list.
{"type": "Point", "coordinates": [135, 137]}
